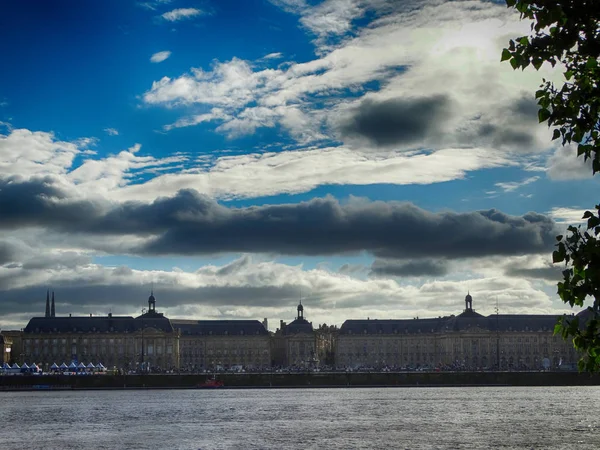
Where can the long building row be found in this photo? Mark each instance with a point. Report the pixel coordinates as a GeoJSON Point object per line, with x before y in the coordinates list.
{"type": "Point", "coordinates": [152, 341]}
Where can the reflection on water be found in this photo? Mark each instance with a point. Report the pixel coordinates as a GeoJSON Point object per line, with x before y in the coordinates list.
{"type": "Point", "coordinates": [411, 418]}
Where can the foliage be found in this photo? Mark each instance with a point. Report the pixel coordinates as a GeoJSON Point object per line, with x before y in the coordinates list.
{"type": "Point", "coordinates": [567, 33]}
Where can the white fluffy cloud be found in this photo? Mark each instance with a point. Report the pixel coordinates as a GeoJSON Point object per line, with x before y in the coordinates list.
{"type": "Point", "coordinates": [160, 56]}
{"type": "Point", "coordinates": [449, 49]}
{"type": "Point", "coordinates": [181, 14]}
{"type": "Point", "coordinates": [119, 177]}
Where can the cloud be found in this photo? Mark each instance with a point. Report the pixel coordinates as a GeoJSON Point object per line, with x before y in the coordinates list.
{"type": "Point", "coordinates": [400, 120]}
{"type": "Point", "coordinates": [404, 52]}
{"type": "Point", "coordinates": [153, 5]}
{"type": "Point", "coordinates": [352, 269]}
{"type": "Point", "coordinates": [416, 268]}
{"type": "Point", "coordinates": [190, 223]}
{"type": "Point", "coordinates": [567, 215]}
{"type": "Point", "coordinates": [27, 153]}
{"type": "Point", "coordinates": [564, 164]}
{"type": "Point", "coordinates": [160, 56]}
{"type": "Point", "coordinates": [123, 176]}
{"type": "Point", "coordinates": [549, 273]}
{"type": "Point", "coordinates": [181, 14]}
{"type": "Point", "coordinates": [8, 252]}
{"type": "Point", "coordinates": [275, 55]}
{"type": "Point", "coordinates": [251, 288]}
{"type": "Point", "coordinates": [111, 131]}
{"type": "Point", "coordinates": [514, 185]}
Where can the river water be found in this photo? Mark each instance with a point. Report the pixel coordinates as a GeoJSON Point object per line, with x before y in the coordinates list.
{"type": "Point", "coordinates": [352, 418]}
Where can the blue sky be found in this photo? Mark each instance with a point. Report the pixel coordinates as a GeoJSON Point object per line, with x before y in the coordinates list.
{"type": "Point", "coordinates": [139, 130]}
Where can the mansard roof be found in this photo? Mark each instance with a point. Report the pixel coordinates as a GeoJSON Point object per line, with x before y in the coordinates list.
{"type": "Point", "coordinates": [96, 324]}
{"type": "Point", "coordinates": [462, 322]}
{"type": "Point", "coordinates": [298, 326]}
{"type": "Point", "coordinates": [220, 327]}
{"type": "Point", "coordinates": [390, 326]}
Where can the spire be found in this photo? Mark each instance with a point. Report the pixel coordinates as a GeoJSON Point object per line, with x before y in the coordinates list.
{"type": "Point", "coordinates": [52, 310]}
{"type": "Point", "coordinates": [468, 302]}
{"type": "Point", "coordinates": [48, 303]}
{"type": "Point", "coordinates": [151, 302]}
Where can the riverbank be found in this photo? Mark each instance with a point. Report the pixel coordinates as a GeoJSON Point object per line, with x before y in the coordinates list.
{"type": "Point", "coordinates": [300, 380]}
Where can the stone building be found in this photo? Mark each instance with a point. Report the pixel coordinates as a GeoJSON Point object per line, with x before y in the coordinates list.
{"type": "Point", "coordinates": [468, 341]}
{"type": "Point", "coordinates": [5, 349]}
{"type": "Point", "coordinates": [299, 341]}
{"type": "Point", "coordinates": [223, 344]}
{"type": "Point", "coordinates": [147, 341]}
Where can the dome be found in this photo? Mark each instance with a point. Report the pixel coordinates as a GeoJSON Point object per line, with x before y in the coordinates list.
{"type": "Point", "coordinates": [151, 298]}
{"type": "Point", "coordinates": [300, 307]}
{"type": "Point", "coordinates": [468, 297]}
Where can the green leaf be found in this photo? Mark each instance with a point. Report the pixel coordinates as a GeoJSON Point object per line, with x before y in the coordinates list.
{"type": "Point", "coordinates": [505, 55]}
{"type": "Point", "coordinates": [568, 75]}
{"type": "Point", "coordinates": [514, 63]}
{"type": "Point", "coordinates": [591, 63]}
{"type": "Point", "coordinates": [557, 257]}
{"type": "Point", "coordinates": [556, 134]}
{"type": "Point", "coordinates": [543, 115]}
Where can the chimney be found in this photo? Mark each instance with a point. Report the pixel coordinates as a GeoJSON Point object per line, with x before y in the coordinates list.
{"type": "Point", "coordinates": [266, 323]}
{"type": "Point", "coordinates": [69, 314]}
{"type": "Point", "coordinates": [109, 314]}
{"type": "Point", "coordinates": [90, 314]}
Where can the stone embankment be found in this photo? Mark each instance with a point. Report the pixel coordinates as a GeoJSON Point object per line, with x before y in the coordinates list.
{"type": "Point", "coordinates": [300, 380]}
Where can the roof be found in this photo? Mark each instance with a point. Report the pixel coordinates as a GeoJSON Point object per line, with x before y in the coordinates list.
{"type": "Point", "coordinates": [465, 321]}
{"type": "Point", "coordinates": [298, 326]}
{"type": "Point", "coordinates": [97, 324]}
{"type": "Point", "coordinates": [219, 327]}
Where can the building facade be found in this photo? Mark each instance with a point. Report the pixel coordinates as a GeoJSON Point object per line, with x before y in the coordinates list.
{"type": "Point", "coordinates": [151, 341]}
{"type": "Point", "coordinates": [223, 344]}
{"type": "Point", "coordinates": [146, 342]}
{"type": "Point", "coordinates": [466, 341]}
{"type": "Point", "coordinates": [298, 341]}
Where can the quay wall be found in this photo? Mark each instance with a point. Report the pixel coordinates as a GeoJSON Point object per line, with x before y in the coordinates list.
{"type": "Point", "coordinates": [300, 380]}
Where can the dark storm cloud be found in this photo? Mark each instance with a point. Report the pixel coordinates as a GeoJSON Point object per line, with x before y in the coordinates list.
{"type": "Point", "coordinates": [80, 298]}
{"type": "Point", "coordinates": [8, 252]}
{"type": "Point", "coordinates": [416, 268]}
{"type": "Point", "coordinates": [190, 223]}
{"type": "Point", "coordinates": [526, 108]}
{"type": "Point", "coordinates": [543, 273]}
{"type": "Point", "coordinates": [42, 201]}
{"type": "Point", "coordinates": [396, 121]}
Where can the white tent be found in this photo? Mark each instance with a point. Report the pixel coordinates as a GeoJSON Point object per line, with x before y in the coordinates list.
{"type": "Point", "coordinates": [15, 366]}
{"type": "Point", "coordinates": [24, 366]}
{"type": "Point", "coordinates": [6, 366]}
{"type": "Point", "coordinates": [54, 366]}
{"type": "Point", "coordinates": [100, 366]}
{"type": "Point", "coordinates": [63, 366]}
{"type": "Point", "coordinates": [81, 366]}
{"type": "Point", "coordinates": [72, 366]}
{"type": "Point", "coordinates": [91, 366]}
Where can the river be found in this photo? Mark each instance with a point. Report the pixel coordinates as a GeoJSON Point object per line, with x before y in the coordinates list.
{"type": "Point", "coordinates": [348, 418]}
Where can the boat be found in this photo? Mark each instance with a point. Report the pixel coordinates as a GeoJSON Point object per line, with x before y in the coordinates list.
{"type": "Point", "coordinates": [210, 383]}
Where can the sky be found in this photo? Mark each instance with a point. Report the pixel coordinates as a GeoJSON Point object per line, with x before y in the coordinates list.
{"type": "Point", "coordinates": [372, 158]}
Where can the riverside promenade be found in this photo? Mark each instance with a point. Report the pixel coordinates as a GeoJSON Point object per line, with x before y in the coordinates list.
{"type": "Point", "coordinates": [298, 380]}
